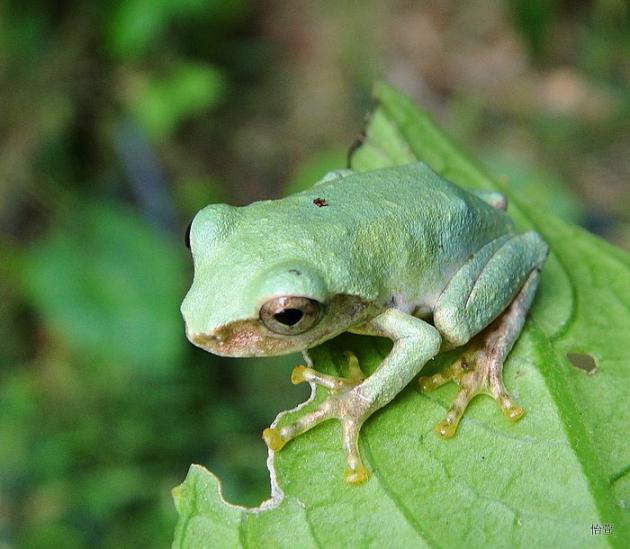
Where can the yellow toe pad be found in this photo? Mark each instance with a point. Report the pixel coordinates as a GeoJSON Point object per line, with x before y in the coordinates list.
{"type": "Point", "coordinates": [273, 439]}
{"type": "Point", "coordinates": [356, 476]}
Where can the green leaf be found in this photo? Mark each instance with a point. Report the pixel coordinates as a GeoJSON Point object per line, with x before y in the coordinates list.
{"type": "Point", "coordinates": [133, 27]}
{"type": "Point", "coordinates": [542, 482]}
{"type": "Point", "coordinates": [543, 188]}
{"type": "Point", "coordinates": [163, 103]}
{"type": "Point", "coordinates": [108, 285]}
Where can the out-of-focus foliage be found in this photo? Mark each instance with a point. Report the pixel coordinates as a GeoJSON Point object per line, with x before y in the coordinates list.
{"type": "Point", "coordinates": [119, 120]}
{"type": "Point", "coordinates": [315, 169]}
{"type": "Point", "coordinates": [161, 104]}
{"type": "Point", "coordinates": [91, 280]}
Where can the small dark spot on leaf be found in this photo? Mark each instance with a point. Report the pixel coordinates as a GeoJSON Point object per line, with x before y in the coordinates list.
{"type": "Point", "coordinates": [320, 202]}
{"type": "Point", "coordinates": [295, 271]}
{"type": "Point", "coordinates": [583, 362]}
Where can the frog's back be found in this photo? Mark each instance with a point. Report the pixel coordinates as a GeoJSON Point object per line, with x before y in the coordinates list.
{"type": "Point", "coordinates": [405, 201]}
{"type": "Point", "coordinates": [396, 228]}
{"type": "Point", "coordinates": [412, 190]}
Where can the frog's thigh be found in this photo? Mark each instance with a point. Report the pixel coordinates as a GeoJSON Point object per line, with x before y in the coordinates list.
{"type": "Point", "coordinates": [486, 285]}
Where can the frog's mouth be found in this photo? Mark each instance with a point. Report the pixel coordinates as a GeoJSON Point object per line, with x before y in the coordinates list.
{"type": "Point", "coordinates": [245, 338]}
{"type": "Point", "coordinates": [250, 338]}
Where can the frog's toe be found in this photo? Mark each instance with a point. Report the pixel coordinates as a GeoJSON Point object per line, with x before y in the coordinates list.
{"type": "Point", "coordinates": [513, 413]}
{"type": "Point", "coordinates": [355, 473]}
{"type": "Point", "coordinates": [355, 373]}
{"type": "Point", "coordinates": [358, 475]}
{"type": "Point", "coordinates": [298, 374]}
{"type": "Point", "coordinates": [277, 437]}
{"type": "Point", "coordinates": [468, 389]}
{"type": "Point", "coordinates": [430, 383]}
{"type": "Point", "coordinates": [273, 439]}
{"type": "Point", "coordinates": [301, 373]}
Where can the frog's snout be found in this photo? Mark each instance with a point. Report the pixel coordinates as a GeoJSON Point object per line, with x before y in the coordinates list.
{"type": "Point", "coordinates": [206, 340]}
{"type": "Point", "coordinates": [213, 342]}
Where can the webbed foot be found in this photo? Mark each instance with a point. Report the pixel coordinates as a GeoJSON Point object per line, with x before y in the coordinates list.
{"type": "Point", "coordinates": [344, 403]}
{"type": "Point", "coordinates": [480, 368]}
{"type": "Point", "coordinates": [477, 371]}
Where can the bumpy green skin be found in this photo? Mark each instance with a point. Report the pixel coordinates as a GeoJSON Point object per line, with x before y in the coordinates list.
{"type": "Point", "coordinates": [382, 252]}
{"type": "Point", "coordinates": [400, 232]}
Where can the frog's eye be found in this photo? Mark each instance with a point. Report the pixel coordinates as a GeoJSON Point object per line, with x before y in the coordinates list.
{"type": "Point", "coordinates": [290, 315]}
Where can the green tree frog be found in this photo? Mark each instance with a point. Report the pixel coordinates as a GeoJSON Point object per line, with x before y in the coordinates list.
{"type": "Point", "coordinates": [400, 253]}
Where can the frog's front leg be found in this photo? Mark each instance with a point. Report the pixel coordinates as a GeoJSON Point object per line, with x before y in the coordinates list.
{"type": "Point", "coordinates": [484, 286]}
{"type": "Point", "coordinates": [352, 401]}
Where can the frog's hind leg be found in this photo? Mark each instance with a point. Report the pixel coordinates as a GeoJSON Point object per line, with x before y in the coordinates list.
{"type": "Point", "coordinates": [479, 369]}
{"type": "Point", "coordinates": [486, 285]}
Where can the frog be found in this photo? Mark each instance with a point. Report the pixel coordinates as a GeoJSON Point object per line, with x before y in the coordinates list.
{"type": "Point", "coordinates": [398, 252]}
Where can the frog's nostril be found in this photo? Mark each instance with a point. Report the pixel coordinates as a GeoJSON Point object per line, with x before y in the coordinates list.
{"type": "Point", "coordinates": [206, 339]}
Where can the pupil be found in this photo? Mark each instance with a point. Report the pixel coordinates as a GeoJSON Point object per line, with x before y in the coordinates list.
{"type": "Point", "coordinates": [289, 317]}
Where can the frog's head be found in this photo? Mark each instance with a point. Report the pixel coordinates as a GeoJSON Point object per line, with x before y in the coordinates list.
{"type": "Point", "coordinates": [253, 295]}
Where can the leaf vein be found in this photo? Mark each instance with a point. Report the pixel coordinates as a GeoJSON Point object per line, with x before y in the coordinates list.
{"type": "Point", "coordinates": [389, 492]}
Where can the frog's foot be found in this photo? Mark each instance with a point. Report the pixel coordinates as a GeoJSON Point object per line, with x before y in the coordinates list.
{"type": "Point", "coordinates": [479, 369]}
{"type": "Point", "coordinates": [344, 403]}
{"type": "Point", "coordinates": [476, 372]}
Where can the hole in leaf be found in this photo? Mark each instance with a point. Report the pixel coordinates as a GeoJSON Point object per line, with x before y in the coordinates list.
{"type": "Point", "coordinates": [583, 362]}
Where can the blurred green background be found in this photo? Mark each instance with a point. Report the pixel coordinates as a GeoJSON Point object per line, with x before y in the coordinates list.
{"type": "Point", "coordinates": [119, 120]}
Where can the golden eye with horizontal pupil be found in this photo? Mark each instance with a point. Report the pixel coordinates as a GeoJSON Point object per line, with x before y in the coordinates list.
{"type": "Point", "coordinates": [290, 315]}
